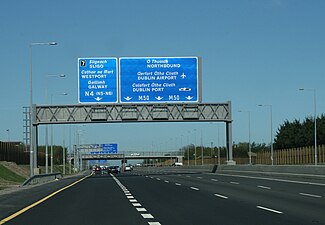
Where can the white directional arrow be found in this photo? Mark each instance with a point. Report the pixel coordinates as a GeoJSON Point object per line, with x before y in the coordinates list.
{"type": "Point", "coordinates": [183, 76]}
{"type": "Point", "coordinates": [128, 98]}
{"type": "Point", "coordinates": [189, 97]}
{"type": "Point", "coordinates": [159, 98]}
{"type": "Point", "coordinates": [98, 99]}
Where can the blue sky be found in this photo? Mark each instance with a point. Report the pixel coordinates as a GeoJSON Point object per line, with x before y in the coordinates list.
{"type": "Point", "coordinates": [253, 52]}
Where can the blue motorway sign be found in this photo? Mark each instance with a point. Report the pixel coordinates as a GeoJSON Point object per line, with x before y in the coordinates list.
{"type": "Point", "coordinates": [159, 79]}
{"type": "Point", "coordinates": [106, 149]}
{"type": "Point", "coordinates": [97, 80]}
{"type": "Point", "coordinates": [109, 148]}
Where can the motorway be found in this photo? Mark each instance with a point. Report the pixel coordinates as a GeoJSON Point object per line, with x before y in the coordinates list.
{"type": "Point", "coordinates": [158, 197]}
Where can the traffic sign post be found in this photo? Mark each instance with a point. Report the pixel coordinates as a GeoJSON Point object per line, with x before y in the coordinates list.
{"type": "Point", "coordinates": [159, 80]}
{"type": "Point", "coordinates": [97, 80]}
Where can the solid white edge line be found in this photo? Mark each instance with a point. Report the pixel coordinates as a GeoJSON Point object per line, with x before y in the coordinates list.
{"type": "Point", "coordinates": [273, 179]}
{"type": "Point", "coordinates": [270, 210]}
{"type": "Point", "coordinates": [310, 195]}
{"type": "Point", "coordinates": [221, 196]}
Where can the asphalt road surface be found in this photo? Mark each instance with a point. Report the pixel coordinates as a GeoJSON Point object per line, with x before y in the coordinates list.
{"type": "Point", "coordinates": [144, 197]}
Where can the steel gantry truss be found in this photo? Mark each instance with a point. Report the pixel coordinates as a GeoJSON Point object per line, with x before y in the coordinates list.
{"type": "Point", "coordinates": [123, 113]}
{"type": "Point", "coordinates": [65, 114]}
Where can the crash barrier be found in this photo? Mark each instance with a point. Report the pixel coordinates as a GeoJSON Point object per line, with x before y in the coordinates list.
{"type": "Point", "coordinates": [185, 169]}
{"type": "Point", "coordinates": [42, 178]}
{"type": "Point", "coordinates": [292, 170]}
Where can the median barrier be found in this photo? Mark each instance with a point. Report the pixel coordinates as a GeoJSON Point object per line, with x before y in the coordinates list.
{"type": "Point", "coordinates": [289, 170]}
{"type": "Point", "coordinates": [42, 178]}
{"type": "Point", "coordinates": [190, 169]}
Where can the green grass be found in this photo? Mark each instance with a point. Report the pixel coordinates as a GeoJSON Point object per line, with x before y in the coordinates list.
{"type": "Point", "coordinates": [8, 175]}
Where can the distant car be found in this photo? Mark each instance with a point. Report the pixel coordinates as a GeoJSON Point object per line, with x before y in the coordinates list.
{"type": "Point", "coordinates": [135, 154]}
{"type": "Point", "coordinates": [127, 168]}
{"type": "Point", "coordinates": [98, 170]}
{"type": "Point", "coordinates": [113, 169]}
{"type": "Point", "coordinates": [177, 164]}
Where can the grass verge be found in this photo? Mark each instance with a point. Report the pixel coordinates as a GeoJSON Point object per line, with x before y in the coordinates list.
{"type": "Point", "coordinates": [8, 175]}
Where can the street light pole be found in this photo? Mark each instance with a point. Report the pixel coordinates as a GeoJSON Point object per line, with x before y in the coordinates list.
{"type": "Point", "coordinates": [195, 148]}
{"type": "Point", "coordinates": [32, 146]}
{"type": "Point", "coordinates": [47, 127]}
{"type": "Point", "coordinates": [52, 134]}
{"type": "Point", "coordinates": [271, 121]}
{"type": "Point", "coordinates": [315, 121]}
{"type": "Point", "coordinates": [249, 136]}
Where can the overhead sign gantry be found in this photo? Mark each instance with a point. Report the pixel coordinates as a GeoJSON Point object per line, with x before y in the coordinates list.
{"type": "Point", "coordinates": [134, 89]}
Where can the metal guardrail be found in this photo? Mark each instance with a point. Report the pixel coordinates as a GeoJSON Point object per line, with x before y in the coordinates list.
{"type": "Point", "coordinates": [42, 178]}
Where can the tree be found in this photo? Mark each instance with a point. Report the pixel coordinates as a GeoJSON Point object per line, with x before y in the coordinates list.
{"type": "Point", "coordinates": [296, 134]}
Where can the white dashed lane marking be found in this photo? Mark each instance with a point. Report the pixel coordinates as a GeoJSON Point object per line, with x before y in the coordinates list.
{"type": "Point", "coordinates": [221, 196]}
{"type": "Point", "coordinates": [232, 182]}
{"type": "Point", "coordinates": [141, 209]}
{"type": "Point", "coordinates": [310, 195]}
{"type": "Point", "coordinates": [135, 203]}
{"type": "Point", "coordinates": [195, 189]}
{"type": "Point", "coordinates": [270, 210]}
{"type": "Point", "coordinates": [264, 187]}
{"type": "Point", "coordinates": [147, 216]}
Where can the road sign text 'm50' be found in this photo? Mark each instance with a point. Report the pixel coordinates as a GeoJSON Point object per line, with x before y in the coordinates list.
{"type": "Point", "coordinates": [159, 79]}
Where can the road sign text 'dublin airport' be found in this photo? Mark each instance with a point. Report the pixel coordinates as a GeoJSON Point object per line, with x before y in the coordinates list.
{"type": "Point", "coordinates": [159, 79]}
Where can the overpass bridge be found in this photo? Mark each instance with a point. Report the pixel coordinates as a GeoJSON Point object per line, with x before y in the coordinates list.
{"type": "Point", "coordinates": [132, 156]}
{"type": "Point", "coordinates": [79, 157]}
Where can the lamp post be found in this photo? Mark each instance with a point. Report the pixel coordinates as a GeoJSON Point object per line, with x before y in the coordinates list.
{"type": "Point", "coordinates": [195, 148]}
{"type": "Point", "coordinates": [188, 149]}
{"type": "Point", "coordinates": [249, 136]}
{"type": "Point", "coordinates": [52, 134]}
{"type": "Point", "coordinates": [32, 150]}
{"type": "Point", "coordinates": [315, 121]}
{"type": "Point", "coordinates": [202, 155]}
{"type": "Point", "coordinates": [47, 127]}
{"type": "Point", "coordinates": [8, 131]}
{"type": "Point", "coordinates": [270, 106]}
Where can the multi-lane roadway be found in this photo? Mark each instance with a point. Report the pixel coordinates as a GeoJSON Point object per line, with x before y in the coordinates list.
{"type": "Point", "coordinates": [158, 197]}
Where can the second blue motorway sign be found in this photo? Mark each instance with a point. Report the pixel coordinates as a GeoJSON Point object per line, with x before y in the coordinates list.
{"type": "Point", "coordinates": [159, 79]}
{"type": "Point", "coordinates": [97, 80]}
